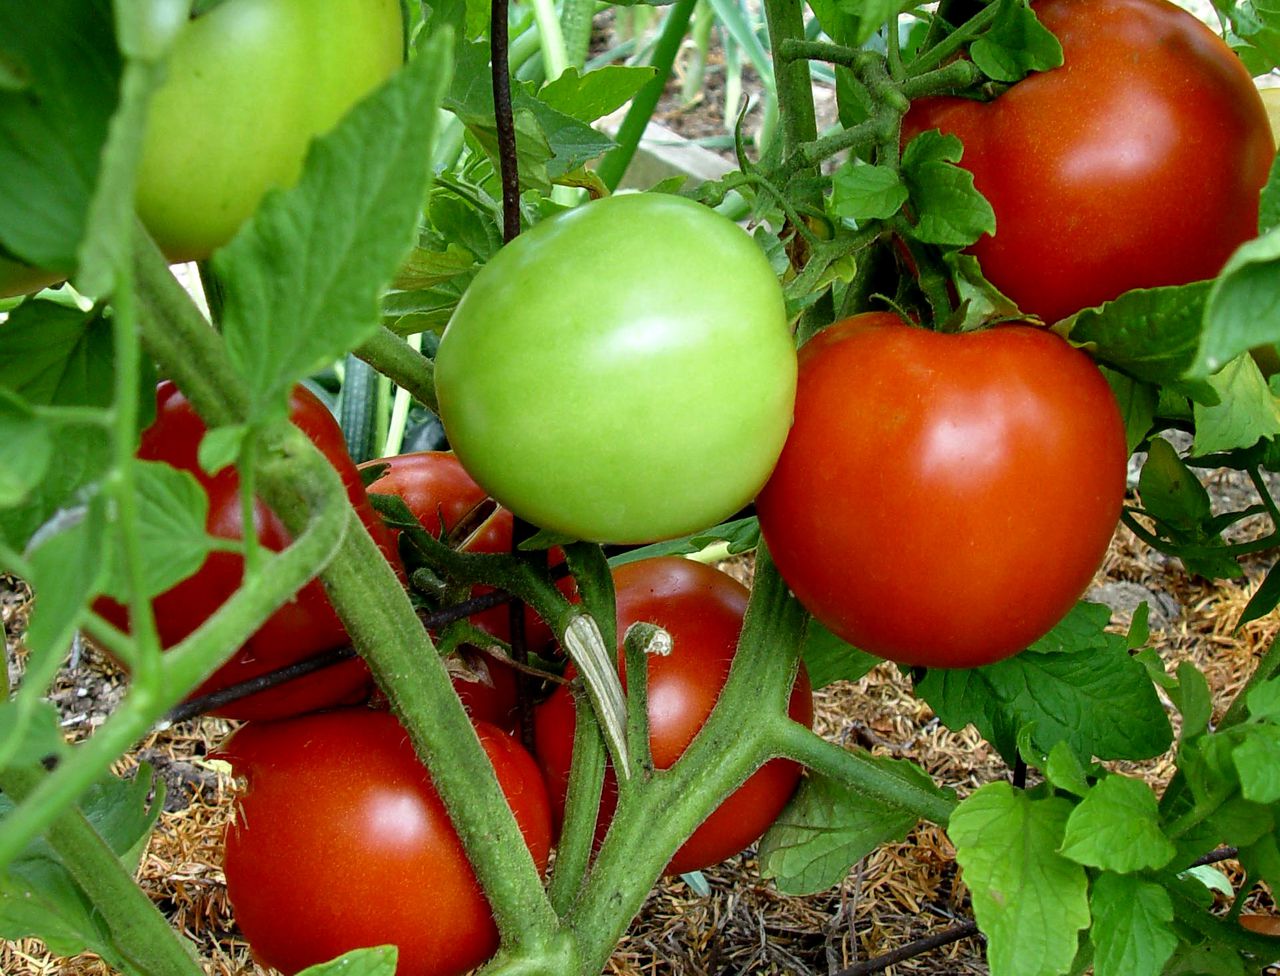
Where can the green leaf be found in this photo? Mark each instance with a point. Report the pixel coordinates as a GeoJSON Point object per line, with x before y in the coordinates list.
{"type": "Point", "coordinates": [39, 898]}
{"type": "Point", "coordinates": [377, 961]}
{"type": "Point", "coordinates": [862, 192]}
{"type": "Point", "coordinates": [1264, 599]}
{"type": "Point", "coordinates": [1137, 401]}
{"type": "Point", "coordinates": [1243, 305]}
{"type": "Point", "coordinates": [66, 572]}
{"type": "Point", "coordinates": [170, 530]}
{"type": "Point", "coordinates": [1015, 45]}
{"type": "Point", "coordinates": [303, 276]}
{"type": "Point", "coordinates": [828, 658]}
{"type": "Point", "coordinates": [590, 96]}
{"type": "Point", "coordinates": [1169, 489]}
{"type": "Point", "coordinates": [853, 23]}
{"type": "Point", "coordinates": [26, 449]}
{"type": "Point", "coordinates": [828, 826]}
{"type": "Point", "coordinates": [1150, 334]}
{"type": "Point", "coordinates": [1193, 699]}
{"type": "Point", "coordinates": [30, 734]}
{"type": "Point", "coordinates": [1206, 961]}
{"type": "Point", "coordinates": [1065, 771]}
{"type": "Point", "coordinates": [1116, 827]}
{"type": "Point", "coordinates": [1269, 209]}
{"type": "Point", "coordinates": [1257, 760]}
{"type": "Point", "coordinates": [1077, 685]}
{"type": "Point", "coordinates": [1029, 900]}
{"type": "Point", "coordinates": [52, 129]}
{"type": "Point", "coordinates": [1132, 931]}
{"type": "Point", "coordinates": [1246, 410]}
{"type": "Point", "coordinates": [949, 210]}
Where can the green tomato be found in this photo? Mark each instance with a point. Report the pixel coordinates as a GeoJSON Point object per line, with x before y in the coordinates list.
{"type": "Point", "coordinates": [622, 372]}
{"type": "Point", "coordinates": [250, 84]}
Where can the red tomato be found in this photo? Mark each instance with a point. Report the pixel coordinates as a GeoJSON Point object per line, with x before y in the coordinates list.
{"type": "Point", "coordinates": [301, 628]}
{"type": "Point", "coordinates": [340, 841]}
{"type": "Point", "coordinates": [1137, 163]}
{"type": "Point", "coordinates": [943, 500]}
{"type": "Point", "coordinates": [702, 609]}
{"type": "Point", "coordinates": [435, 487]}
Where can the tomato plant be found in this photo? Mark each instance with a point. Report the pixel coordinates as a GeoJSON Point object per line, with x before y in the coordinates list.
{"type": "Point", "coordinates": [266, 74]}
{"type": "Point", "coordinates": [1137, 163]}
{"type": "Point", "coordinates": [340, 841]}
{"type": "Point", "coordinates": [702, 609]}
{"type": "Point", "coordinates": [306, 625]}
{"type": "Point", "coordinates": [571, 371]}
{"type": "Point", "coordinates": [943, 500]}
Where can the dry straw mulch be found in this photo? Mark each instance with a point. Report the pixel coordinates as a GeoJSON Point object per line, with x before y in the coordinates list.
{"type": "Point", "coordinates": [898, 894]}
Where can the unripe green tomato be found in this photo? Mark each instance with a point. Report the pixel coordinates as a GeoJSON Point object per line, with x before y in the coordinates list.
{"type": "Point", "coordinates": [250, 84]}
{"type": "Point", "coordinates": [622, 372]}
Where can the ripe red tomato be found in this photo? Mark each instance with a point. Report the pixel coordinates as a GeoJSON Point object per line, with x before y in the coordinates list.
{"type": "Point", "coordinates": [943, 500]}
{"type": "Point", "coordinates": [1137, 163]}
{"type": "Point", "coordinates": [340, 841]}
{"type": "Point", "coordinates": [301, 628]}
{"type": "Point", "coordinates": [440, 494]}
{"type": "Point", "coordinates": [702, 609]}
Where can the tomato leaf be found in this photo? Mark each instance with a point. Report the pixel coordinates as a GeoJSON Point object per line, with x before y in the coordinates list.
{"type": "Point", "coordinates": [53, 126]}
{"type": "Point", "coordinates": [59, 356]}
{"type": "Point", "coordinates": [1028, 899]}
{"type": "Point", "coordinates": [1077, 685]}
{"type": "Point", "coordinates": [853, 23]}
{"type": "Point", "coordinates": [38, 897]}
{"type": "Point", "coordinates": [1150, 334]}
{"type": "Point", "coordinates": [1132, 931]}
{"type": "Point", "coordinates": [829, 659]}
{"type": "Point", "coordinates": [1269, 206]}
{"type": "Point", "coordinates": [949, 209]}
{"type": "Point", "coordinates": [1243, 307]}
{"type": "Point", "coordinates": [1246, 411]}
{"type": "Point", "coordinates": [1137, 401]}
{"type": "Point", "coordinates": [1257, 761]}
{"type": "Point", "coordinates": [170, 533]}
{"type": "Point", "coordinates": [26, 449]}
{"type": "Point", "coordinates": [1015, 45]}
{"type": "Point", "coordinates": [304, 275]}
{"type": "Point", "coordinates": [376, 961]}
{"type": "Point", "coordinates": [861, 192]}
{"type": "Point", "coordinates": [1116, 828]}
{"type": "Point", "coordinates": [593, 95]}
{"type": "Point", "coordinates": [828, 826]}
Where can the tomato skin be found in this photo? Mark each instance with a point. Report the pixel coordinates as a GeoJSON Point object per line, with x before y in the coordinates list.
{"type": "Point", "coordinates": [303, 627]}
{"type": "Point", "coordinates": [316, 58]}
{"type": "Point", "coordinates": [340, 841]}
{"type": "Point", "coordinates": [702, 609]}
{"type": "Point", "coordinates": [622, 372]}
{"type": "Point", "coordinates": [1138, 163]}
{"type": "Point", "coordinates": [943, 500]}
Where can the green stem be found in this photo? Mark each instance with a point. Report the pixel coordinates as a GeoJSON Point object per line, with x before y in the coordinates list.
{"type": "Point", "coordinates": [1269, 541]}
{"type": "Point", "coordinates": [139, 931]}
{"type": "Point", "coordinates": [405, 366]}
{"type": "Point", "coordinates": [554, 52]}
{"type": "Point", "coordinates": [856, 769]}
{"type": "Point", "coordinates": [575, 23]}
{"type": "Point", "coordinates": [696, 71]}
{"type": "Point", "coordinates": [615, 162]}
{"type": "Point", "coordinates": [581, 805]}
{"type": "Point", "coordinates": [930, 58]}
{"type": "Point", "coordinates": [794, 83]}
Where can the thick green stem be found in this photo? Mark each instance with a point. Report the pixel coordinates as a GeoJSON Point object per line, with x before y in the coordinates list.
{"type": "Point", "coordinates": [405, 366]}
{"type": "Point", "coordinates": [856, 769]}
{"type": "Point", "coordinates": [140, 932]}
{"type": "Point", "coordinates": [794, 82]}
{"type": "Point", "coordinates": [581, 806]}
{"type": "Point", "coordinates": [575, 23]}
{"type": "Point", "coordinates": [615, 162]}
